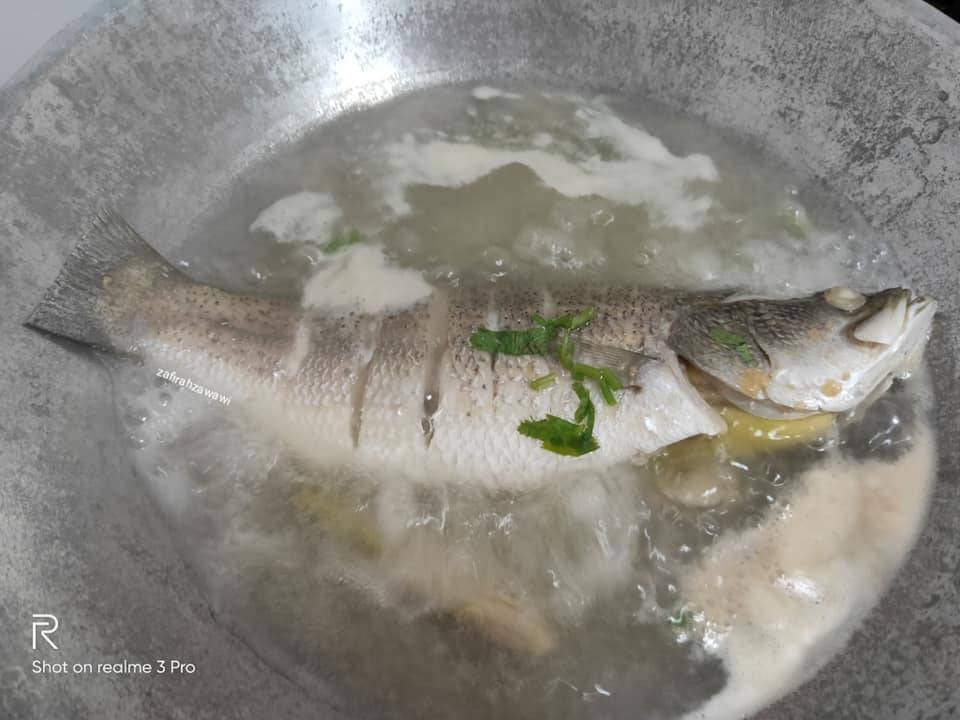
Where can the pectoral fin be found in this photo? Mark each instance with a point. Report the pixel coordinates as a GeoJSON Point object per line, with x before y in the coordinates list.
{"type": "Point", "coordinates": [625, 363]}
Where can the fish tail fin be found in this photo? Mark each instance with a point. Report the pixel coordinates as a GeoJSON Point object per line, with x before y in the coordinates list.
{"type": "Point", "coordinates": [108, 273]}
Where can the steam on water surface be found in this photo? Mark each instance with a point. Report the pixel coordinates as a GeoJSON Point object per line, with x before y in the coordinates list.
{"type": "Point", "coordinates": [638, 590]}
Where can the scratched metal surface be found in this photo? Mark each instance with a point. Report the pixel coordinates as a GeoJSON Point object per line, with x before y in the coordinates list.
{"type": "Point", "coordinates": [155, 108]}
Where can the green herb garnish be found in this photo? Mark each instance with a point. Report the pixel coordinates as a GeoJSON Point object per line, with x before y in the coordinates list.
{"type": "Point", "coordinates": [586, 413]}
{"type": "Point", "coordinates": [562, 436]}
{"type": "Point", "coordinates": [569, 322]}
{"type": "Point", "coordinates": [342, 240]}
{"type": "Point", "coordinates": [606, 380]}
{"type": "Point", "coordinates": [565, 352]}
{"type": "Point", "coordinates": [533, 341]}
{"type": "Point", "coordinates": [542, 383]}
{"type": "Point", "coordinates": [607, 392]}
{"type": "Point", "coordinates": [555, 336]}
{"type": "Point", "coordinates": [725, 337]}
{"type": "Point", "coordinates": [737, 342]}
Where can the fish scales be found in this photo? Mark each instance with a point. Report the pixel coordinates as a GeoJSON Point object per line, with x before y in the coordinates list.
{"type": "Point", "coordinates": [379, 380]}
{"type": "Point", "coordinates": [628, 318]}
{"type": "Point", "coordinates": [404, 392]}
{"type": "Point", "coordinates": [392, 412]}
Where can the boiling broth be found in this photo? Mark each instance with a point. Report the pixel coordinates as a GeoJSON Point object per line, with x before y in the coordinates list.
{"type": "Point", "coordinates": [636, 590]}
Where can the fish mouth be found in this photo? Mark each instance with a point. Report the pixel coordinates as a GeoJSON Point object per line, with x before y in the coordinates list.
{"type": "Point", "coordinates": [884, 342]}
{"type": "Point", "coordinates": [763, 408]}
{"type": "Point", "coordinates": [893, 320]}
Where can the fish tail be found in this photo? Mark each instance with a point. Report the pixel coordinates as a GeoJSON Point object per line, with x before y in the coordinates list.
{"type": "Point", "coordinates": [108, 275]}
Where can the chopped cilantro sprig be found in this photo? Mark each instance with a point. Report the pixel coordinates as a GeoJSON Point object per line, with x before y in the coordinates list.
{"type": "Point", "coordinates": [555, 337]}
{"type": "Point", "coordinates": [586, 413]}
{"type": "Point", "coordinates": [533, 341]}
{"type": "Point", "coordinates": [559, 436]}
{"type": "Point", "coordinates": [565, 352]}
{"type": "Point", "coordinates": [542, 383]}
{"type": "Point", "coordinates": [606, 380]}
{"type": "Point", "coordinates": [562, 436]}
{"type": "Point", "coordinates": [737, 342]}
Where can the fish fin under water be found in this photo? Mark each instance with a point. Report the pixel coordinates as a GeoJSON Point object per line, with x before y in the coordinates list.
{"type": "Point", "coordinates": [74, 306]}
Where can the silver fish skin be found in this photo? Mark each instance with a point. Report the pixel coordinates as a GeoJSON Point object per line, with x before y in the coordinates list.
{"type": "Point", "coordinates": [400, 392]}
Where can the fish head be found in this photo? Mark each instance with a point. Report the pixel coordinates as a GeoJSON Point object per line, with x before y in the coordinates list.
{"type": "Point", "coordinates": [823, 353]}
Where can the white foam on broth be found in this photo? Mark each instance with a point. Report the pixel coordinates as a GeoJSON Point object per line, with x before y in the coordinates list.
{"type": "Point", "coordinates": [360, 277]}
{"type": "Point", "coordinates": [776, 602]}
{"type": "Point", "coordinates": [644, 172]}
{"type": "Point", "coordinates": [301, 217]}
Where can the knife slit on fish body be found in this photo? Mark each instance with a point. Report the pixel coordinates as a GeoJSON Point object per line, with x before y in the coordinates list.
{"type": "Point", "coordinates": [492, 322]}
{"type": "Point", "coordinates": [358, 390]}
{"type": "Point", "coordinates": [438, 322]}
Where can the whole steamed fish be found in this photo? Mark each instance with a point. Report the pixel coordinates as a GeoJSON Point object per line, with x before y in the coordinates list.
{"type": "Point", "coordinates": [406, 392]}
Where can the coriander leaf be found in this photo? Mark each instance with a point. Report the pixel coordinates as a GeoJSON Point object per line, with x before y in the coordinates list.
{"type": "Point", "coordinates": [586, 412]}
{"type": "Point", "coordinates": [744, 352]}
{"type": "Point", "coordinates": [554, 433]}
{"type": "Point", "coordinates": [605, 378]}
{"type": "Point", "coordinates": [737, 342]}
{"type": "Point", "coordinates": [575, 322]}
{"type": "Point", "coordinates": [486, 340]}
{"type": "Point", "coordinates": [535, 341]}
{"type": "Point", "coordinates": [541, 383]}
{"type": "Point", "coordinates": [581, 446]}
{"type": "Point", "coordinates": [560, 436]}
{"type": "Point", "coordinates": [611, 379]}
{"type": "Point", "coordinates": [567, 322]}
{"type": "Point", "coordinates": [565, 352]}
{"type": "Point", "coordinates": [583, 318]}
{"type": "Point", "coordinates": [725, 337]}
{"type": "Point", "coordinates": [586, 371]}
{"type": "Point", "coordinates": [342, 240]}
{"type": "Point", "coordinates": [607, 392]}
